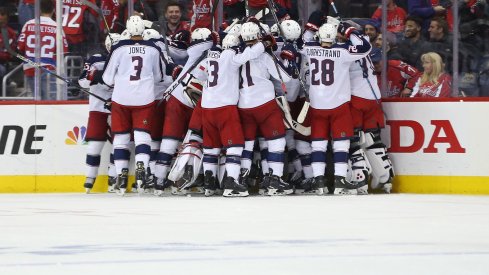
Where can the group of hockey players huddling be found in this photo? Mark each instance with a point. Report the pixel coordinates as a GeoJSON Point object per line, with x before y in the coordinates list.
{"type": "Point", "coordinates": [194, 109]}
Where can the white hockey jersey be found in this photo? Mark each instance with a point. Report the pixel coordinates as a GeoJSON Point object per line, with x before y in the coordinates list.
{"type": "Point", "coordinates": [95, 62]}
{"type": "Point", "coordinates": [223, 75]}
{"type": "Point", "coordinates": [293, 86]}
{"type": "Point", "coordinates": [133, 68]}
{"type": "Point", "coordinates": [361, 73]}
{"type": "Point", "coordinates": [194, 52]}
{"type": "Point", "coordinates": [329, 76]}
{"type": "Point", "coordinates": [256, 88]}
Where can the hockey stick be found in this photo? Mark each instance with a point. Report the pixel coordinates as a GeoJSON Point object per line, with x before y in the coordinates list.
{"type": "Point", "coordinates": [177, 82]}
{"type": "Point", "coordinates": [101, 13]}
{"type": "Point", "coordinates": [331, 2]}
{"type": "Point", "coordinates": [302, 115]}
{"type": "Point", "coordinates": [37, 65]}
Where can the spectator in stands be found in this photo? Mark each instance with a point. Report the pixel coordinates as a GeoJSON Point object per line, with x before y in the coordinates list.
{"type": "Point", "coordinates": [391, 41]}
{"type": "Point", "coordinates": [80, 24]}
{"type": "Point", "coordinates": [371, 28]}
{"type": "Point", "coordinates": [201, 14]}
{"type": "Point", "coordinates": [5, 57]}
{"type": "Point", "coordinates": [434, 82]}
{"type": "Point", "coordinates": [395, 17]}
{"type": "Point", "coordinates": [425, 10]}
{"type": "Point", "coordinates": [25, 11]}
{"type": "Point", "coordinates": [412, 45]}
{"type": "Point", "coordinates": [401, 77]}
{"type": "Point", "coordinates": [27, 46]}
{"type": "Point", "coordinates": [440, 41]}
{"type": "Point", "coordinates": [173, 16]}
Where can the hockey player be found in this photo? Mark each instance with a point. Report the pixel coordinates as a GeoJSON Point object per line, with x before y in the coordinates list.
{"type": "Point", "coordinates": [258, 110]}
{"type": "Point", "coordinates": [330, 94]}
{"type": "Point", "coordinates": [367, 151]}
{"type": "Point", "coordinates": [221, 122]}
{"type": "Point", "coordinates": [98, 124]}
{"type": "Point", "coordinates": [133, 68]}
{"type": "Point", "coordinates": [179, 110]}
{"type": "Point", "coordinates": [80, 24]}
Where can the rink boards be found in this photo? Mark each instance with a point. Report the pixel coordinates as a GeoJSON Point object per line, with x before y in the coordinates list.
{"type": "Point", "coordinates": [436, 147]}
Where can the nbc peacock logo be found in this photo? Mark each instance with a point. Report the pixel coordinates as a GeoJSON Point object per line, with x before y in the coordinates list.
{"type": "Point", "coordinates": [76, 136]}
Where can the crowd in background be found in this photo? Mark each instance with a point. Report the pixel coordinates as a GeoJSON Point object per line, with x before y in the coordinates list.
{"type": "Point", "coordinates": [419, 34]}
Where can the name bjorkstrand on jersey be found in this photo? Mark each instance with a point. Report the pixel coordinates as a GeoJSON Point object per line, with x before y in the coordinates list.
{"type": "Point", "coordinates": [324, 52]}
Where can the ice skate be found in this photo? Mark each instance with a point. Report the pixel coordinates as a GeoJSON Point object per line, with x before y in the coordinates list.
{"type": "Point", "coordinates": [122, 181]}
{"type": "Point", "coordinates": [233, 189]}
{"type": "Point", "coordinates": [140, 175]}
{"type": "Point", "coordinates": [210, 184]}
{"type": "Point", "coordinates": [295, 180]}
{"type": "Point", "coordinates": [88, 184]}
{"type": "Point", "coordinates": [307, 187]}
{"type": "Point", "coordinates": [111, 184]}
{"type": "Point", "coordinates": [319, 185]}
{"type": "Point", "coordinates": [149, 182]}
{"type": "Point", "coordinates": [343, 187]}
{"type": "Point", "coordinates": [278, 187]}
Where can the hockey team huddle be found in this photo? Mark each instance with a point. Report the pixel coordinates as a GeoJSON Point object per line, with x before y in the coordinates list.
{"type": "Point", "coordinates": [194, 115]}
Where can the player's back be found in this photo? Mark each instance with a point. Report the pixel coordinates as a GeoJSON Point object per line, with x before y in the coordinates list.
{"type": "Point", "coordinates": [256, 87]}
{"type": "Point", "coordinates": [329, 74]}
{"type": "Point", "coordinates": [133, 68]}
{"type": "Point", "coordinates": [361, 73]}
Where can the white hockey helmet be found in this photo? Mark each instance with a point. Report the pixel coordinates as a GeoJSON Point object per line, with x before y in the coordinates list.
{"type": "Point", "coordinates": [292, 30]}
{"type": "Point", "coordinates": [230, 41]}
{"type": "Point", "coordinates": [274, 29]}
{"type": "Point", "coordinates": [111, 39]}
{"type": "Point", "coordinates": [135, 25]}
{"type": "Point", "coordinates": [266, 28]}
{"type": "Point", "coordinates": [250, 31]}
{"type": "Point", "coordinates": [327, 33]}
{"type": "Point", "coordinates": [235, 29]}
{"type": "Point", "coordinates": [151, 34]}
{"type": "Point", "coordinates": [200, 34]}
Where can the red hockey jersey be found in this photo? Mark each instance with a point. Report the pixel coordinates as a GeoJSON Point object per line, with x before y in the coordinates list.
{"type": "Point", "coordinates": [73, 17]}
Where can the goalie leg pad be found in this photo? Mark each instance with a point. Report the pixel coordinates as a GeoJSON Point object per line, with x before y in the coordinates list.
{"type": "Point", "coordinates": [382, 169]}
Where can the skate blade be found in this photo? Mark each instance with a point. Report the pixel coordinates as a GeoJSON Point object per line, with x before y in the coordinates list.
{"type": "Point", "coordinates": [344, 191]}
{"type": "Point", "coordinates": [177, 192]}
{"type": "Point", "coordinates": [87, 190]}
{"type": "Point", "coordinates": [111, 190]}
{"type": "Point", "coordinates": [158, 193]}
{"type": "Point", "coordinates": [230, 193]}
{"type": "Point", "coordinates": [276, 192]}
{"type": "Point", "coordinates": [387, 188]}
{"type": "Point", "coordinates": [362, 190]}
{"type": "Point", "coordinates": [209, 193]}
{"type": "Point", "coordinates": [122, 192]}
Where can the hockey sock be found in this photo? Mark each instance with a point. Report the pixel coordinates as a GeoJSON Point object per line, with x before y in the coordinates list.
{"type": "Point", "coordinates": [263, 155]}
{"type": "Point", "coordinates": [165, 155]}
{"type": "Point", "coordinates": [304, 150]}
{"type": "Point", "coordinates": [318, 157]}
{"type": "Point", "coordinates": [276, 155]}
{"type": "Point", "coordinates": [247, 156]}
{"type": "Point", "coordinates": [93, 157]}
{"type": "Point", "coordinates": [211, 160]}
{"type": "Point", "coordinates": [143, 147]}
{"type": "Point", "coordinates": [121, 151]}
{"type": "Point", "coordinates": [155, 148]}
{"type": "Point", "coordinates": [340, 156]}
{"type": "Point", "coordinates": [233, 161]}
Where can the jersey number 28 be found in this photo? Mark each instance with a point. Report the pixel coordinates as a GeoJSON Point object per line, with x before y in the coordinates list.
{"type": "Point", "coordinates": [326, 67]}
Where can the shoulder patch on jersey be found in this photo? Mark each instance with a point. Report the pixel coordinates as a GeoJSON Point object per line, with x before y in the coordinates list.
{"type": "Point", "coordinates": [96, 58]}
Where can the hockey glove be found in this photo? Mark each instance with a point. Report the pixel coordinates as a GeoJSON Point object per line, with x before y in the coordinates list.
{"type": "Point", "coordinates": [270, 42]}
{"type": "Point", "coordinates": [95, 77]}
{"type": "Point", "coordinates": [182, 36]}
{"type": "Point", "coordinates": [316, 19]}
{"type": "Point", "coordinates": [345, 29]}
{"type": "Point", "coordinates": [176, 71]}
{"type": "Point", "coordinates": [288, 52]}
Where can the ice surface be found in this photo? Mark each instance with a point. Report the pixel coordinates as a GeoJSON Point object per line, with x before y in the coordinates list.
{"type": "Point", "coordinates": [375, 234]}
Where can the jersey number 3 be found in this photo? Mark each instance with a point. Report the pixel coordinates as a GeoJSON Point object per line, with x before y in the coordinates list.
{"type": "Point", "coordinates": [327, 72]}
{"type": "Point", "coordinates": [137, 67]}
{"type": "Point", "coordinates": [214, 73]}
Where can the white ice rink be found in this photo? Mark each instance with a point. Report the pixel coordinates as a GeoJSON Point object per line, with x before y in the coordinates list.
{"type": "Point", "coordinates": [376, 234]}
